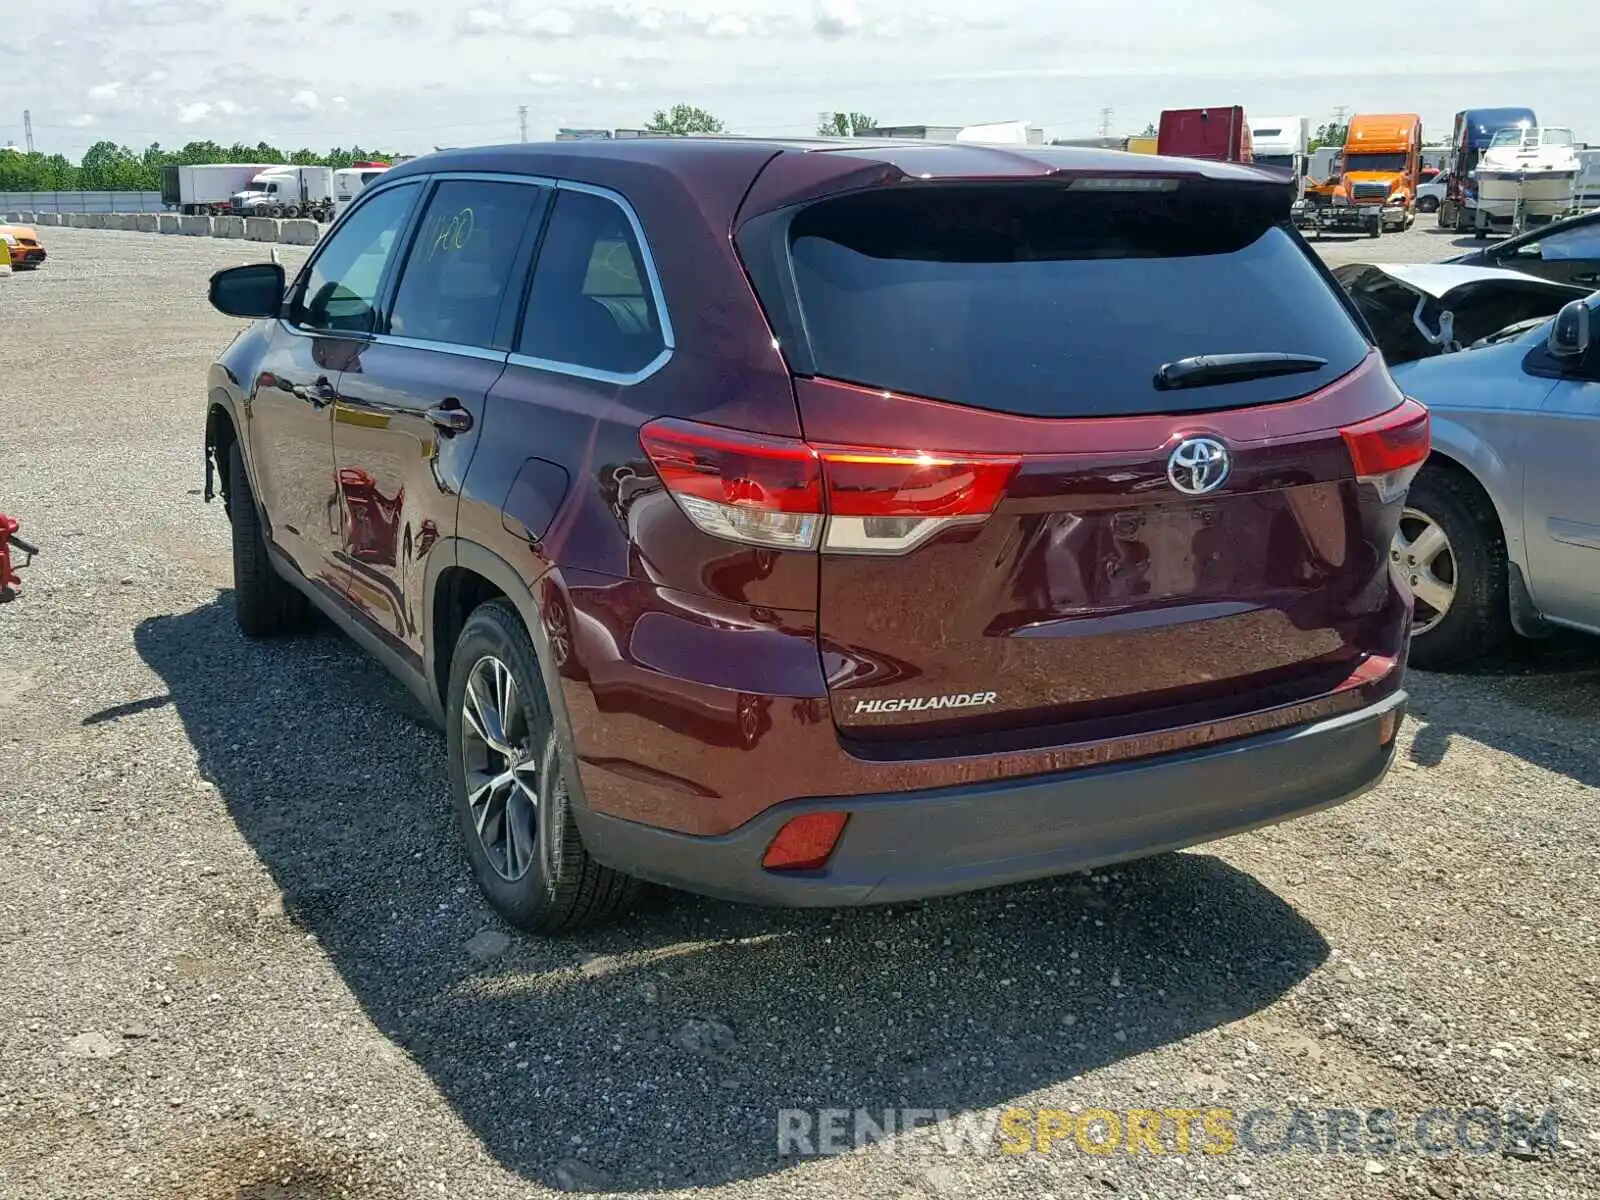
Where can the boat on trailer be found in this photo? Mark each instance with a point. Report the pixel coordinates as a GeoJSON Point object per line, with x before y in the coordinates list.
{"type": "Point", "coordinates": [1528, 175]}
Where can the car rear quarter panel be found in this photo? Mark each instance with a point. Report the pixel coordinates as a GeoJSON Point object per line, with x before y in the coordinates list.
{"type": "Point", "coordinates": [661, 638]}
{"type": "Point", "coordinates": [1479, 402]}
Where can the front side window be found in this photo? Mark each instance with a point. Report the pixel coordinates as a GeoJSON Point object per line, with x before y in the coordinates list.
{"type": "Point", "coordinates": [591, 305]}
{"type": "Point", "coordinates": [455, 278]}
{"type": "Point", "coordinates": [342, 283]}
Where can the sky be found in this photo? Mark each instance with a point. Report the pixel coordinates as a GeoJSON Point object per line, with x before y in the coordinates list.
{"type": "Point", "coordinates": [407, 76]}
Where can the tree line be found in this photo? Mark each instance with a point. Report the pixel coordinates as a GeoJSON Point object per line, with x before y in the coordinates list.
{"type": "Point", "coordinates": [108, 167]}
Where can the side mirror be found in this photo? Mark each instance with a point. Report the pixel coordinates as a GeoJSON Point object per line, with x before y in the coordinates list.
{"type": "Point", "coordinates": [1569, 336]}
{"type": "Point", "coordinates": [251, 292]}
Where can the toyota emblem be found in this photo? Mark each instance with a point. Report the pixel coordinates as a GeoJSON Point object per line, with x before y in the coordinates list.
{"type": "Point", "coordinates": [1198, 465]}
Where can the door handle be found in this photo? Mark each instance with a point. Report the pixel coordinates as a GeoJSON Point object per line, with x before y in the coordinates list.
{"type": "Point", "coordinates": [450, 417]}
{"type": "Point", "coordinates": [320, 394]}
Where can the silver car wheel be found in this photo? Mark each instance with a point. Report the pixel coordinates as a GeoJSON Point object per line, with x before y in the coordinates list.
{"type": "Point", "coordinates": [1422, 553]}
{"type": "Point", "coordinates": [504, 771]}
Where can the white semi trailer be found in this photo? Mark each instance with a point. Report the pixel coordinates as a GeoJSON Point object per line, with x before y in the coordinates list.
{"type": "Point", "coordinates": [207, 189]}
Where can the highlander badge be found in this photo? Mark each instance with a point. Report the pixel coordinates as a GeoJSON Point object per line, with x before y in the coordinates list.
{"type": "Point", "coordinates": [923, 703]}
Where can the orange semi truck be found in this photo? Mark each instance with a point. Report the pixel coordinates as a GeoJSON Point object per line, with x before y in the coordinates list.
{"type": "Point", "coordinates": [1381, 168]}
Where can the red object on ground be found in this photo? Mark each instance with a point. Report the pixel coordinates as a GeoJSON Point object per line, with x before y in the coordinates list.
{"type": "Point", "coordinates": [8, 536]}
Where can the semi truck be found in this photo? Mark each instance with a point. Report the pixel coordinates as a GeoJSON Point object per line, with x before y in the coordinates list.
{"type": "Point", "coordinates": [208, 189]}
{"type": "Point", "coordinates": [348, 182]}
{"type": "Point", "coordinates": [1474, 130]}
{"type": "Point", "coordinates": [283, 191]}
{"type": "Point", "coordinates": [1214, 134]}
{"type": "Point", "coordinates": [1378, 176]}
{"type": "Point", "coordinates": [1281, 142]}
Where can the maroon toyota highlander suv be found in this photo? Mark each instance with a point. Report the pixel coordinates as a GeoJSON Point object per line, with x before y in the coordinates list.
{"type": "Point", "coordinates": [830, 523]}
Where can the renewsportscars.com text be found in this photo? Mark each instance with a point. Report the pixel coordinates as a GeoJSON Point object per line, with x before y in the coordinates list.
{"type": "Point", "coordinates": [1434, 1132]}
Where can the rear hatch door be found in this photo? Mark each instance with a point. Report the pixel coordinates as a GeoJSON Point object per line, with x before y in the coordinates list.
{"type": "Point", "coordinates": [1046, 537]}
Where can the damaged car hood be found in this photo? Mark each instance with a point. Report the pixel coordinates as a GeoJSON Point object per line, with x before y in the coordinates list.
{"type": "Point", "coordinates": [1418, 310]}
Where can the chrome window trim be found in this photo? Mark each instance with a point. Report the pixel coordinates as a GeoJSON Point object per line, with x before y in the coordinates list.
{"type": "Point", "coordinates": [594, 373]}
{"type": "Point", "coordinates": [461, 351]}
{"type": "Point", "coordinates": [577, 370]}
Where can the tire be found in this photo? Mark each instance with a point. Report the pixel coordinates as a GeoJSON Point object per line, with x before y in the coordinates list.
{"type": "Point", "coordinates": [1478, 619]}
{"type": "Point", "coordinates": [530, 862]}
{"type": "Point", "coordinates": [1427, 205]}
{"type": "Point", "coordinates": [264, 603]}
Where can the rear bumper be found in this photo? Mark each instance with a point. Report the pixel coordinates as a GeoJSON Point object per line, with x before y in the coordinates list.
{"type": "Point", "coordinates": [940, 841]}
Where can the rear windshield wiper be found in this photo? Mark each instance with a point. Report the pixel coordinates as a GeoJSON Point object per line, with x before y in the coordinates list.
{"type": "Point", "coordinates": [1202, 370]}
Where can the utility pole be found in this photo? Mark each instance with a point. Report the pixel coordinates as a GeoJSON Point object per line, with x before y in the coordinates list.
{"type": "Point", "coordinates": [1105, 122]}
{"type": "Point", "coordinates": [522, 120]}
{"type": "Point", "coordinates": [27, 129]}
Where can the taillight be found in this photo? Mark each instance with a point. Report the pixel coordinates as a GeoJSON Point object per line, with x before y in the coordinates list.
{"type": "Point", "coordinates": [781, 491]}
{"type": "Point", "coordinates": [1388, 450]}
{"type": "Point", "coordinates": [741, 486]}
{"type": "Point", "coordinates": [805, 843]}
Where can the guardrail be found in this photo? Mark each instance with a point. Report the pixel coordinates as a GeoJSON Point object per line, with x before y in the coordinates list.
{"type": "Point", "coordinates": [287, 230]}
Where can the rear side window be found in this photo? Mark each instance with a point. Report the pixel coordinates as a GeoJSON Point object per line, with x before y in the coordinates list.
{"type": "Point", "coordinates": [1047, 302]}
{"type": "Point", "coordinates": [590, 304]}
{"type": "Point", "coordinates": [455, 279]}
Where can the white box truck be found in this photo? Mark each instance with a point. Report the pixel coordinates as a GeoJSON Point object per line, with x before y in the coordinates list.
{"type": "Point", "coordinates": [284, 191]}
{"type": "Point", "coordinates": [207, 189]}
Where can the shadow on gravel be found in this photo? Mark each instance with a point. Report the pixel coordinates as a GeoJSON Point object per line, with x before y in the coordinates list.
{"type": "Point", "coordinates": [655, 1054]}
{"type": "Point", "coordinates": [1520, 700]}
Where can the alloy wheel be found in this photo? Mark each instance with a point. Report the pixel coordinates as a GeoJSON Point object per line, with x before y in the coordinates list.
{"type": "Point", "coordinates": [508, 766]}
{"type": "Point", "coordinates": [1422, 553]}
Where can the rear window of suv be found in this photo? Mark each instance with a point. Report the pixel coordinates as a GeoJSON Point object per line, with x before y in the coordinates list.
{"type": "Point", "coordinates": [1044, 301]}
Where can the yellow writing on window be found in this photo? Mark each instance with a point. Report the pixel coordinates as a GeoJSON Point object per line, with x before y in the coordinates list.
{"type": "Point", "coordinates": [450, 232]}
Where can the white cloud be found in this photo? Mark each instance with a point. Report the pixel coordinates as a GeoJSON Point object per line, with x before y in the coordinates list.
{"type": "Point", "coordinates": [190, 113]}
{"type": "Point", "coordinates": [482, 20]}
{"type": "Point", "coordinates": [339, 100]}
{"type": "Point", "coordinates": [546, 79]}
{"type": "Point", "coordinates": [228, 108]}
{"type": "Point", "coordinates": [837, 18]}
{"type": "Point", "coordinates": [105, 91]}
{"type": "Point", "coordinates": [81, 121]}
{"type": "Point", "coordinates": [305, 100]}
{"type": "Point", "coordinates": [727, 25]}
{"type": "Point", "coordinates": [156, 76]}
{"type": "Point", "coordinates": [550, 22]}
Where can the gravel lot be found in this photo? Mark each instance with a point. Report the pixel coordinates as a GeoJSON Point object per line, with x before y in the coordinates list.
{"type": "Point", "coordinates": [240, 956]}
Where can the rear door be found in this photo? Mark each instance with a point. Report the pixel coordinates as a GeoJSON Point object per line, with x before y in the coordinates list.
{"type": "Point", "coordinates": [1563, 502]}
{"type": "Point", "coordinates": [1059, 541]}
{"type": "Point", "coordinates": [410, 409]}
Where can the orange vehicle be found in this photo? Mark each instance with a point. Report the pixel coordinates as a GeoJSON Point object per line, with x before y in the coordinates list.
{"type": "Point", "coordinates": [21, 243]}
{"type": "Point", "coordinates": [1382, 167]}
